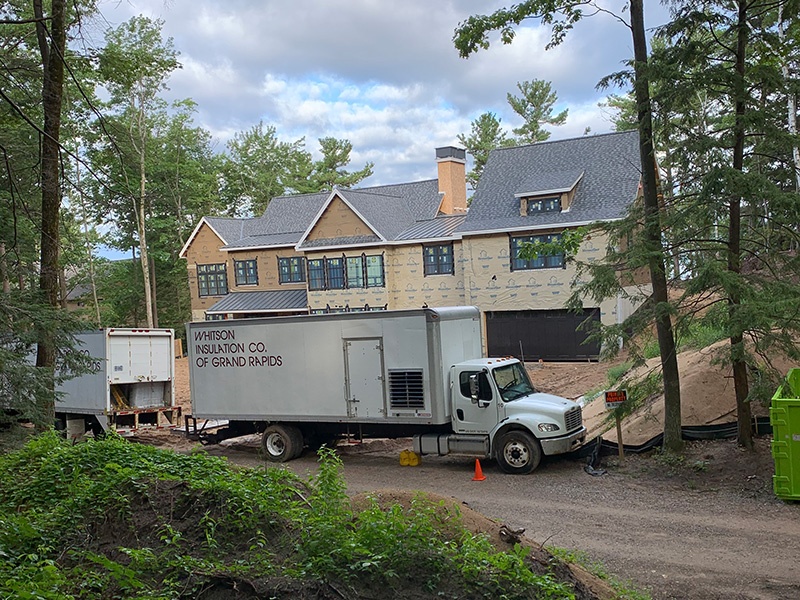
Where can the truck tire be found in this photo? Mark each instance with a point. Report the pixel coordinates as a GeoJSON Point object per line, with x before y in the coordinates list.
{"type": "Point", "coordinates": [281, 443]}
{"type": "Point", "coordinates": [518, 452]}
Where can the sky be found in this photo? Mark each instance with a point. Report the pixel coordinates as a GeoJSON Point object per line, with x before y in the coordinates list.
{"type": "Point", "coordinates": [384, 75]}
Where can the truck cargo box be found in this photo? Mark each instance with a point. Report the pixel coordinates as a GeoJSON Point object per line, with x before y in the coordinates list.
{"type": "Point", "coordinates": [131, 385]}
{"type": "Point", "coordinates": [390, 366]}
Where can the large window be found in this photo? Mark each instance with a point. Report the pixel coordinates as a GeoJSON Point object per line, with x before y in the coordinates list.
{"type": "Point", "coordinates": [542, 261]}
{"type": "Point", "coordinates": [292, 270]}
{"type": "Point", "coordinates": [212, 280]}
{"type": "Point", "coordinates": [316, 274]}
{"type": "Point", "coordinates": [374, 268]}
{"type": "Point", "coordinates": [355, 272]}
{"type": "Point", "coordinates": [346, 272]}
{"type": "Point", "coordinates": [246, 272]}
{"type": "Point", "coordinates": [335, 273]}
{"type": "Point", "coordinates": [438, 259]}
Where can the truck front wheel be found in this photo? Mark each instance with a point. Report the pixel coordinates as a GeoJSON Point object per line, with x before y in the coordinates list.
{"type": "Point", "coordinates": [281, 443]}
{"type": "Point", "coordinates": [518, 452]}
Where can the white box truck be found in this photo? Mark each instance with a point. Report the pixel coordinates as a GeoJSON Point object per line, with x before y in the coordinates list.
{"type": "Point", "coordinates": [307, 380]}
{"type": "Point", "coordinates": [131, 385]}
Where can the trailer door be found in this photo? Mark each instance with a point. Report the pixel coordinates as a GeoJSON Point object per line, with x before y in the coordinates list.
{"type": "Point", "coordinates": [364, 378]}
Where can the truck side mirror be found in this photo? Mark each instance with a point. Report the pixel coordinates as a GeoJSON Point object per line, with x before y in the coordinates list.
{"type": "Point", "coordinates": [474, 391]}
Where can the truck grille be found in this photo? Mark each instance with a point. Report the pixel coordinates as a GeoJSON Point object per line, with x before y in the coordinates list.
{"type": "Point", "coordinates": [573, 418]}
{"type": "Point", "coordinates": [406, 390]}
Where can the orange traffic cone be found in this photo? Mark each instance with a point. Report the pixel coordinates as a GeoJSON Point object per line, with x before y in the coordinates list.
{"type": "Point", "coordinates": [478, 471]}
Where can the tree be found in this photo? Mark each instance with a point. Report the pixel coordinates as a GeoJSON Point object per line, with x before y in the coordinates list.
{"type": "Point", "coordinates": [486, 134]}
{"type": "Point", "coordinates": [561, 15]}
{"type": "Point", "coordinates": [135, 64]}
{"type": "Point", "coordinates": [535, 106]}
{"type": "Point", "coordinates": [727, 51]}
{"type": "Point", "coordinates": [255, 169]}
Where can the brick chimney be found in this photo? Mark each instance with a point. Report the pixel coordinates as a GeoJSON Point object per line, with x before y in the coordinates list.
{"type": "Point", "coordinates": [451, 163]}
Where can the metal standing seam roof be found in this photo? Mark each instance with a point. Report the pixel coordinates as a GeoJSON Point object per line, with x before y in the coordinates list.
{"type": "Point", "coordinates": [261, 302]}
{"type": "Point", "coordinates": [440, 227]}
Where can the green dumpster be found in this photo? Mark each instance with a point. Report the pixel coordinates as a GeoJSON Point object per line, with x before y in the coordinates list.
{"type": "Point", "coordinates": [784, 416]}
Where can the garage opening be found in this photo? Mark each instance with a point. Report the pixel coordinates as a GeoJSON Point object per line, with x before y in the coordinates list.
{"type": "Point", "coordinates": [552, 335]}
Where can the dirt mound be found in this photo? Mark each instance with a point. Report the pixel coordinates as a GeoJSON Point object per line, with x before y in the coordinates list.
{"type": "Point", "coordinates": [707, 396]}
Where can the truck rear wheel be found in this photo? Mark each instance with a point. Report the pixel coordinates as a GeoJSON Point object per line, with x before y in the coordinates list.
{"type": "Point", "coordinates": [281, 443]}
{"type": "Point", "coordinates": [518, 452]}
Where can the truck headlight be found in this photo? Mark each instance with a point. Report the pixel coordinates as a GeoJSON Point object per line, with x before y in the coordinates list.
{"type": "Point", "coordinates": [548, 427]}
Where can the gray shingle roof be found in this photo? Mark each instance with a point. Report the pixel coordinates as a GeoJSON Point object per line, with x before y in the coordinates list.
{"type": "Point", "coordinates": [611, 173]}
{"type": "Point", "coordinates": [341, 241]}
{"type": "Point", "coordinates": [259, 302]}
{"type": "Point", "coordinates": [266, 240]}
{"type": "Point", "coordinates": [390, 209]}
{"type": "Point", "coordinates": [233, 229]}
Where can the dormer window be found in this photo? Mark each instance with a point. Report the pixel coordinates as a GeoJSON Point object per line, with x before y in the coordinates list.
{"type": "Point", "coordinates": [543, 205]}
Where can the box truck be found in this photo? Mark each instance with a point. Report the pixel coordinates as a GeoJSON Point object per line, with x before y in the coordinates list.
{"type": "Point", "coordinates": [131, 384]}
{"type": "Point", "coordinates": [311, 379]}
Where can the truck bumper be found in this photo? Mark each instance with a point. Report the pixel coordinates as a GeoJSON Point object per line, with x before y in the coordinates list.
{"type": "Point", "coordinates": [565, 443]}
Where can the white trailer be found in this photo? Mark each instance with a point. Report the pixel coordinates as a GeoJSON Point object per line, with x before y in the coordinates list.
{"type": "Point", "coordinates": [131, 385]}
{"type": "Point", "coordinates": [310, 379]}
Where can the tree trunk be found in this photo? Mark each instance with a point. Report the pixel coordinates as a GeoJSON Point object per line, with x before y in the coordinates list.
{"type": "Point", "coordinates": [4, 269]}
{"type": "Point", "coordinates": [52, 89]}
{"type": "Point", "coordinates": [673, 440]}
{"type": "Point", "coordinates": [148, 297]}
{"type": "Point", "coordinates": [791, 100]}
{"type": "Point", "coordinates": [155, 295]}
{"type": "Point", "coordinates": [740, 383]}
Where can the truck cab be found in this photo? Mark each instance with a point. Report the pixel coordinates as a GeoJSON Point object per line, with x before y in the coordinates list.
{"type": "Point", "coordinates": [494, 400]}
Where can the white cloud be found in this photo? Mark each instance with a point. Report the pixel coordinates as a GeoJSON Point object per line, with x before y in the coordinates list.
{"type": "Point", "coordinates": [386, 76]}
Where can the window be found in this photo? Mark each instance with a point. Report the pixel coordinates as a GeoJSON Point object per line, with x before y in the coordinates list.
{"type": "Point", "coordinates": [375, 277]}
{"type": "Point", "coordinates": [215, 317]}
{"type": "Point", "coordinates": [292, 270]}
{"type": "Point", "coordinates": [484, 389]}
{"type": "Point", "coordinates": [316, 274]}
{"type": "Point", "coordinates": [542, 205]}
{"type": "Point", "coordinates": [355, 272]}
{"type": "Point", "coordinates": [212, 280]}
{"type": "Point", "coordinates": [542, 261]}
{"type": "Point", "coordinates": [246, 272]}
{"type": "Point", "coordinates": [335, 272]}
{"type": "Point", "coordinates": [347, 272]}
{"type": "Point", "coordinates": [438, 259]}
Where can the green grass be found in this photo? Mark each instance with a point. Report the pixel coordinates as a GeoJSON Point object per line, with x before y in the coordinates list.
{"type": "Point", "coordinates": [624, 590]}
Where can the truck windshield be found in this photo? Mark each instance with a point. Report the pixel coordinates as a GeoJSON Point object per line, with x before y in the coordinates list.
{"type": "Point", "coordinates": [513, 382]}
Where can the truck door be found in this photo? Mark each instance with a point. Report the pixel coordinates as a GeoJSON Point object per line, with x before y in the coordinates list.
{"type": "Point", "coordinates": [364, 378]}
{"type": "Point", "coordinates": [469, 417]}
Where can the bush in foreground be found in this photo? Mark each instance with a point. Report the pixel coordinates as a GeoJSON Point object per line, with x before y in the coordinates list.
{"type": "Point", "coordinates": [113, 519]}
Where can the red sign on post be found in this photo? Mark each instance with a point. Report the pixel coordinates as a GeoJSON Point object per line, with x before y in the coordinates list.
{"type": "Point", "coordinates": [615, 398]}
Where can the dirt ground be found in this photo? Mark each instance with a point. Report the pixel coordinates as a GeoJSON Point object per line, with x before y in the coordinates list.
{"type": "Point", "coordinates": [702, 526]}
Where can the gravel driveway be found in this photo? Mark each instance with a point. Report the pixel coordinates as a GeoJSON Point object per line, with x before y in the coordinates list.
{"type": "Point", "coordinates": [678, 534]}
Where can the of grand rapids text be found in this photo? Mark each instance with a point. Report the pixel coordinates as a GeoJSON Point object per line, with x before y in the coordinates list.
{"type": "Point", "coordinates": [219, 348]}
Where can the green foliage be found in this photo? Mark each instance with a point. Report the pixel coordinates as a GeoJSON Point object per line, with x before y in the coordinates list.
{"type": "Point", "coordinates": [617, 371]}
{"type": "Point", "coordinates": [115, 519]}
{"type": "Point", "coordinates": [485, 135]}
{"type": "Point", "coordinates": [535, 106]}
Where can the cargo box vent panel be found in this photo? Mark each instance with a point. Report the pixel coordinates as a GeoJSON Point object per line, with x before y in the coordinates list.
{"type": "Point", "coordinates": [406, 389]}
